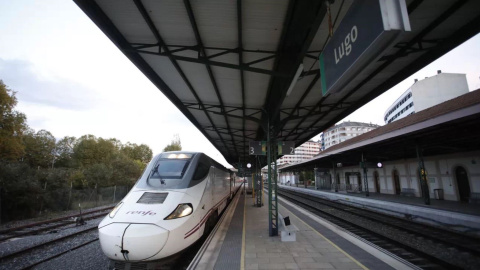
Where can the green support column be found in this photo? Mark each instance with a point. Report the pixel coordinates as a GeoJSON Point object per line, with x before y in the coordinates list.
{"type": "Point", "coordinates": [335, 177]}
{"type": "Point", "coordinates": [365, 179]}
{"type": "Point", "coordinates": [275, 198]}
{"type": "Point", "coordinates": [423, 177]}
{"type": "Point", "coordinates": [272, 205]}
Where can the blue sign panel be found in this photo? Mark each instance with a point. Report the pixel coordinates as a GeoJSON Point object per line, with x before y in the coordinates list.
{"type": "Point", "coordinates": [359, 29]}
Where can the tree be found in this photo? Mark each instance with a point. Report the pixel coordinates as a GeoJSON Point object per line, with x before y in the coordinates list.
{"type": "Point", "coordinates": [64, 152]}
{"type": "Point", "coordinates": [12, 126]}
{"type": "Point", "coordinates": [98, 175]}
{"type": "Point", "coordinates": [89, 151]}
{"type": "Point", "coordinates": [20, 190]}
{"type": "Point", "coordinates": [125, 170]}
{"type": "Point", "coordinates": [141, 152]}
{"type": "Point", "coordinates": [175, 145]}
{"type": "Point", "coordinates": [39, 148]}
{"type": "Point", "coordinates": [116, 142]}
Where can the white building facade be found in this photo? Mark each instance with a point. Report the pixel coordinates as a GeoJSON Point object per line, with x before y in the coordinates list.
{"type": "Point", "coordinates": [427, 93]}
{"type": "Point", "coordinates": [304, 152]}
{"type": "Point", "coordinates": [344, 131]}
{"type": "Point", "coordinates": [451, 177]}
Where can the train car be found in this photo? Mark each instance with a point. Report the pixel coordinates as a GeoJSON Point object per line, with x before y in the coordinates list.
{"type": "Point", "coordinates": [177, 200]}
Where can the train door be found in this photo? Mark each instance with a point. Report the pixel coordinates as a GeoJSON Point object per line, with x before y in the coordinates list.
{"type": "Point", "coordinates": [396, 182]}
{"type": "Point", "coordinates": [462, 182]}
{"type": "Point", "coordinates": [377, 181]}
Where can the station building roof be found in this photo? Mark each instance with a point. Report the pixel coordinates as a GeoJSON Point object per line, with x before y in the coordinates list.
{"type": "Point", "coordinates": [227, 65]}
{"type": "Point", "coordinates": [449, 127]}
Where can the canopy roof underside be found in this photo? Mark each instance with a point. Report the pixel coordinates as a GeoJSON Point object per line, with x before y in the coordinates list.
{"type": "Point", "coordinates": [227, 65]}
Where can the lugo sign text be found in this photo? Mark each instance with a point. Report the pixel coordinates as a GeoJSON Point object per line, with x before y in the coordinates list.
{"type": "Point", "coordinates": [368, 30]}
{"type": "Point", "coordinates": [346, 47]}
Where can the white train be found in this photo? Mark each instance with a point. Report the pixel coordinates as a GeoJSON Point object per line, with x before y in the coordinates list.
{"type": "Point", "coordinates": [177, 199]}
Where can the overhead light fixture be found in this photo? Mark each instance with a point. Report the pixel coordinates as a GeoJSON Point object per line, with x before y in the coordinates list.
{"type": "Point", "coordinates": [295, 78]}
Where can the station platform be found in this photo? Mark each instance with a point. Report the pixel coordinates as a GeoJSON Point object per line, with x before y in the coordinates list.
{"type": "Point", "coordinates": [241, 241]}
{"type": "Point", "coordinates": [464, 217]}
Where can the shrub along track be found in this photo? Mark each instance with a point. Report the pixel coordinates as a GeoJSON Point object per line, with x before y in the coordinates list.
{"type": "Point", "coordinates": [424, 246]}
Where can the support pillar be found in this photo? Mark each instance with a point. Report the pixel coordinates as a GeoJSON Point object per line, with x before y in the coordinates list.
{"type": "Point", "coordinates": [335, 177]}
{"type": "Point", "coordinates": [272, 186]}
{"type": "Point", "coordinates": [423, 176]}
{"type": "Point", "coordinates": [365, 179]}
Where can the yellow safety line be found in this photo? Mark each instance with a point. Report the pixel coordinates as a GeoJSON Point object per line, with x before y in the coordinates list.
{"type": "Point", "coordinates": [333, 244]}
{"type": "Point", "coordinates": [242, 257]}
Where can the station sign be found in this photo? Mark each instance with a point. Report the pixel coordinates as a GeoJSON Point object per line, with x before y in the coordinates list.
{"type": "Point", "coordinates": [369, 28]}
{"type": "Point", "coordinates": [283, 147]}
{"type": "Point", "coordinates": [258, 148]}
{"type": "Point", "coordinates": [286, 148]}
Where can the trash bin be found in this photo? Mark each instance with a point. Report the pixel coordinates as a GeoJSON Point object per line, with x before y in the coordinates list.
{"type": "Point", "coordinates": [438, 193]}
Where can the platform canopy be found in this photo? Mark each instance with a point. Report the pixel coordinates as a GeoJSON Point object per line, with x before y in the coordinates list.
{"type": "Point", "coordinates": [449, 128]}
{"type": "Point", "coordinates": [228, 64]}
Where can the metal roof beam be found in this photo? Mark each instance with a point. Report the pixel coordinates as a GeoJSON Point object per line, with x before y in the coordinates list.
{"type": "Point", "coordinates": [261, 60]}
{"type": "Point", "coordinates": [235, 130]}
{"type": "Point", "coordinates": [159, 39]}
{"type": "Point", "coordinates": [301, 26]}
{"type": "Point", "coordinates": [205, 61]}
{"type": "Point", "coordinates": [197, 106]}
{"type": "Point", "coordinates": [191, 16]}
{"type": "Point", "coordinates": [319, 103]}
{"type": "Point", "coordinates": [420, 46]}
{"type": "Point", "coordinates": [250, 136]}
{"type": "Point", "coordinates": [231, 50]}
{"type": "Point", "coordinates": [309, 88]}
{"type": "Point", "coordinates": [240, 117]}
{"type": "Point", "coordinates": [98, 16]}
{"type": "Point", "coordinates": [310, 72]}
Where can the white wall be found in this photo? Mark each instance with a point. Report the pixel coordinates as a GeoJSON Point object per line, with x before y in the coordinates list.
{"type": "Point", "coordinates": [437, 89]}
{"type": "Point", "coordinates": [440, 174]}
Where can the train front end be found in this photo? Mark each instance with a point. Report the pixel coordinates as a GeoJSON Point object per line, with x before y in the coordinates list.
{"type": "Point", "coordinates": [151, 222]}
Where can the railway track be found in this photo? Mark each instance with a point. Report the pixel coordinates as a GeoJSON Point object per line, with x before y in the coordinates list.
{"type": "Point", "coordinates": [51, 225]}
{"type": "Point", "coordinates": [48, 249]}
{"type": "Point", "coordinates": [424, 246]}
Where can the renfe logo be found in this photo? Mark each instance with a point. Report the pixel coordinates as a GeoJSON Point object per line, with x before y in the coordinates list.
{"type": "Point", "coordinates": [143, 213]}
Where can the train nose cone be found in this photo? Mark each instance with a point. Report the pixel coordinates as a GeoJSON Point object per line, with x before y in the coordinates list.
{"type": "Point", "coordinates": [132, 242]}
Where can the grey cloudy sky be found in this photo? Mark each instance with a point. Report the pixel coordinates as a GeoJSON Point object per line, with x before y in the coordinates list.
{"type": "Point", "coordinates": [71, 80]}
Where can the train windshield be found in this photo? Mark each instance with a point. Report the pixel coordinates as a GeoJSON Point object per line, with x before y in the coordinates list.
{"type": "Point", "coordinates": [168, 171]}
{"type": "Point", "coordinates": [169, 168]}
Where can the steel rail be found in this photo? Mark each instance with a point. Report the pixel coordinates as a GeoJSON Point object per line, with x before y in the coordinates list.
{"type": "Point", "coordinates": [409, 253]}
{"type": "Point", "coordinates": [4, 231]}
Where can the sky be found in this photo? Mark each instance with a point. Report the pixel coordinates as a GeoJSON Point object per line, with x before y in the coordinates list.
{"type": "Point", "coordinates": [72, 80]}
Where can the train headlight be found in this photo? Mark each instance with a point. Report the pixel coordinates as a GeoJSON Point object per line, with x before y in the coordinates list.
{"type": "Point", "coordinates": [182, 210]}
{"type": "Point", "coordinates": [115, 210]}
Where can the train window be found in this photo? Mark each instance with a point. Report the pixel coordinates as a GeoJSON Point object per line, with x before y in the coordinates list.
{"type": "Point", "coordinates": [201, 171]}
{"type": "Point", "coordinates": [173, 168]}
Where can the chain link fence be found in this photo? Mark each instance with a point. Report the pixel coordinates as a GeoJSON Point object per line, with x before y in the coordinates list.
{"type": "Point", "coordinates": [49, 201]}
